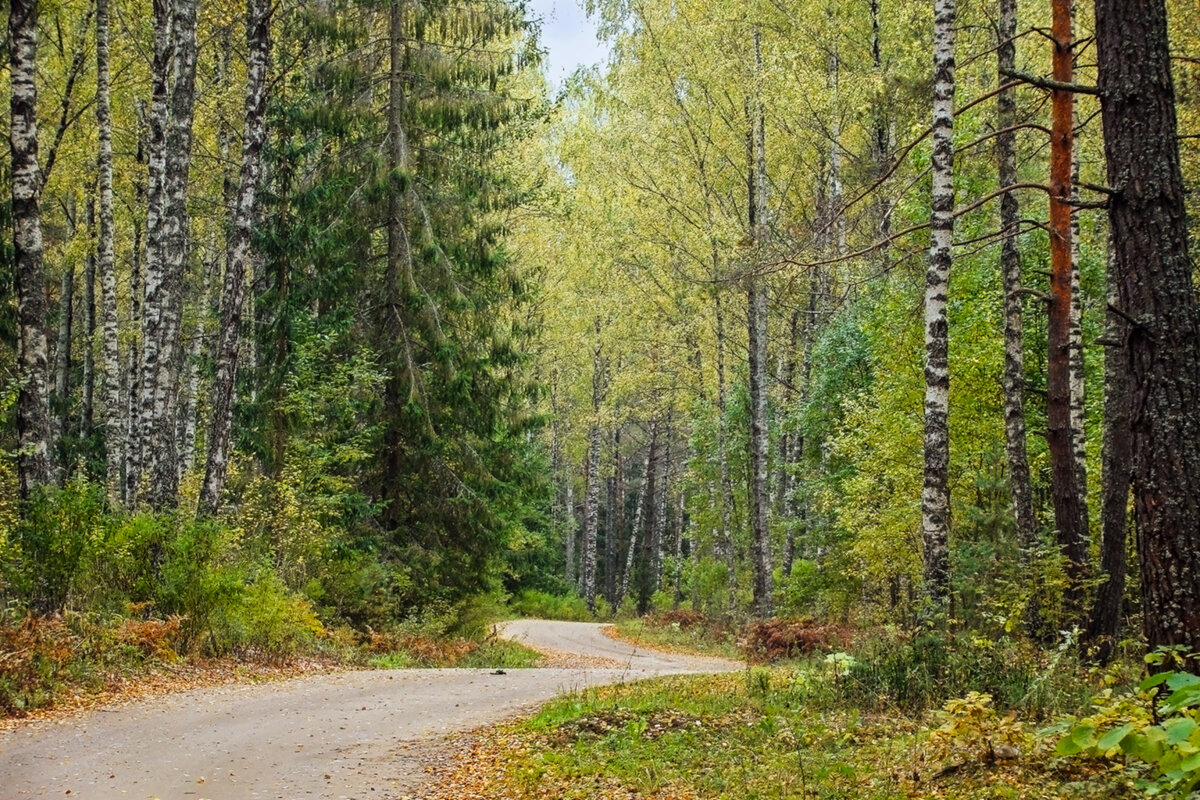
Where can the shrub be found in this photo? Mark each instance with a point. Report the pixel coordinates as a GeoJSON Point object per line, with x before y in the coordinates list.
{"type": "Point", "coordinates": [542, 605]}
{"type": "Point", "coordinates": [777, 639]}
{"type": "Point", "coordinates": [922, 671]}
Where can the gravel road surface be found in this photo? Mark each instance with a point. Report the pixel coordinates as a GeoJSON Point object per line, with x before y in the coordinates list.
{"type": "Point", "coordinates": [351, 735]}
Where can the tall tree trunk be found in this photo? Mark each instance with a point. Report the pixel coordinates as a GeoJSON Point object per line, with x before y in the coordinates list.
{"type": "Point", "coordinates": [186, 423]}
{"type": "Point", "coordinates": [677, 549]}
{"type": "Point", "coordinates": [786, 449]}
{"type": "Point", "coordinates": [1075, 349]}
{"type": "Point", "coordinates": [1064, 476]}
{"type": "Point", "coordinates": [61, 415]}
{"type": "Point", "coordinates": [570, 560]}
{"type": "Point", "coordinates": [88, 389]}
{"type": "Point", "coordinates": [1015, 437]}
{"type": "Point", "coordinates": [1104, 624]}
{"type": "Point", "coordinates": [660, 518]}
{"type": "Point", "coordinates": [725, 543]}
{"type": "Point", "coordinates": [168, 242]}
{"type": "Point", "coordinates": [34, 460]}
{"type": "Point", "coordinates": [1153, 273]}
{"type": "Point", "coordinates": [616, 527]}
{"type": "Point", "coordinates": [756, 297]}
{"type": "Point", "coordinates": [935, 499]}
{"type": "Point", "coordinates": [636, 533]}
{"type": "Point", "coordinates": [591, 513]}
{"type": "Point", "coordinates": [233, 292]}
{"type": "Point", "coordinates": [650, 522]}
{"type": "Point", "coordinates": [114, 436]}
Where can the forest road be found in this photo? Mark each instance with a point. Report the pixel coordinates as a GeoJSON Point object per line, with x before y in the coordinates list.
{"type": "Point", "coordinates": [350, 735]}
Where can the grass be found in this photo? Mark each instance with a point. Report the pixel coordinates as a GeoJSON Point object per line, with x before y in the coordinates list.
{"type": "Point", "coordinates": [673, 636]}
{"type": "Point", "coordinates": [493, 653]}
{"type": "Point", "coordinates": [758, 735]}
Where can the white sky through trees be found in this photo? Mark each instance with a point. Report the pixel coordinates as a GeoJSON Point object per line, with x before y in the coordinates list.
{"type": "Point", "coordinates": [569, 38]}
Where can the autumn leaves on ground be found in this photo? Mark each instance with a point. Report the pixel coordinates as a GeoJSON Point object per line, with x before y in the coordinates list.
{"type": "Point", "coordinates": [856, 338]}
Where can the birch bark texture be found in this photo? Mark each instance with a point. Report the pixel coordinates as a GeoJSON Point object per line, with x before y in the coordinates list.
{"type": "Point", "coordinates": [935, 497]}
{"type": "Point", "coordinates": [34, 464]}
{"type": "Point", "coordinates": [757, 323]}
{"type": "Point", "coordinates": [1013, 379]}
{"type": "Point", "coordinates": [167, 243]}
{"type": "Point", "coordinates": [1153, 274]}
{"type": "Point", "coordinates": [233, 290]}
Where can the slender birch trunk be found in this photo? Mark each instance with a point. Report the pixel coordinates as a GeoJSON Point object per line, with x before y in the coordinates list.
{"type": "Point", "coordinates": [133, 373]}
{"type": "Point", "coordinates": [570, 565]}
{"type": "Point", "coordinates": [639, 514]}
{"type": "Point", "coordinates": [650, 524]}
{"type": "Point", "coordinates": [591, 512]}
{"type": "Point", "coordinates": [167, 243]}
{"type": "Point", "coordinates": [660, 518]}
{"type": "Point", "coordinates": [233, 292]}
{"type": "Point", "coordinates": [591, 509]}
{"type": "Point", "coordinates": [1075, 350]}
{"type": "Point", "coordinates": [677, 549]}
{"type": "Point", "coordinates": [113, 416]}
{"type": "Point", "coordinates": [726, 546]}
{"type": "Point", "coordinates": [34, 459]}
{"type": "Point", "coordinates": [786, 467]}
{"type": "Point", "coordinates": [1013, 380]}
{"type": "Point", "coordinates": [756, 296]}
{"type": "Point", "coordinates": [935, 499]}
{"type": "Point", "coordinates": [154, 279]}
{"type": "Point", "coordinates": [177, 245]}
{"type": "Point", "coordinates": [88, 388]}
{"type": "Point", "coordinates": [60, 408]}
{"type": "Point", "coordinates": [616, 530]}
{"type": "Point", "coordinates": [186, 424]}
{"type": "Point", "coordinates": [1068, 509]}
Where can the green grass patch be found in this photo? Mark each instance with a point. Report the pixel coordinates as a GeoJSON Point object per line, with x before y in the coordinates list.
{"type": "Point", "coordinates": [709, 640]}
{"type": "Point", "coordinates": [757, 735]}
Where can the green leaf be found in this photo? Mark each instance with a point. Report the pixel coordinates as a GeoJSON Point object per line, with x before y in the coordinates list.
{"type": "Point", "coordinates": [1178, 730]}
{"type": "Point", "coordinates": [1114, 737]}
{"type": "Point", "coordinates": [1154, 680]}
{"type": "Point", "coordinates": [1143, 747]}
{"type": "Point", "coordinates": [1178, 680]}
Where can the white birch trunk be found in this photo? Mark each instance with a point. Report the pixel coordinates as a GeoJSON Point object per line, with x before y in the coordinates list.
{"type": "Point", "coordinates": [757, 321]}
{"type": "Point", "coordinates": [591, 517]}
{"type": "Point", "coordinates": [935, 499]}
{"type": "Point", "coordinates": [88, 306]}
{"type": "Point", "coordinates": [233, 293]}
{"type": "Point", "coordinates": [1013, 380]}
{"type": "Point", "coordinates": [34, 460]}
{"type": "Point", "coordinates": [639, 515]}
{"type": "Point", "coordinates": [115, 439]}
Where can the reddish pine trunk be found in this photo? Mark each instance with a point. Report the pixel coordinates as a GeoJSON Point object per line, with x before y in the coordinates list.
{"type": "Point", "coordinates": [1067, 495]}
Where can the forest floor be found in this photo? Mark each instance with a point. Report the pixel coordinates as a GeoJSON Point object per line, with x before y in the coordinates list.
{"type": "Point", "coordinates": [756, 733]}
{"type": "Point", "coordinates": [340, 734]}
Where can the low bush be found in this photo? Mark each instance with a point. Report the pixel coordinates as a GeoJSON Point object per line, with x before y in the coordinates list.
{"type": "Point", "coordinates": [917, 672]}
{"type": "Point", "coordinates": [543, 605]}
{"type": "Point", "coordinates": [778, 639]}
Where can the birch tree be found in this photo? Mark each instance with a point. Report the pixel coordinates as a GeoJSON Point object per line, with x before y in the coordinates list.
{"type": "Point", "coordinates": [935, 498]}
{"type": "Point", "coordinates": [1010, 269]}
{"type": "Point", "coordinates": [756, 304]}
{"type": "Point", "coordinates": [233, 300]}
{"type": "Point", "coordinates": [34, 460]}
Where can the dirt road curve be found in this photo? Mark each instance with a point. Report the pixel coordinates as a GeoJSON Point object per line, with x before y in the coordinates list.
{"type": "Point", "coordinates": [350, 735]}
